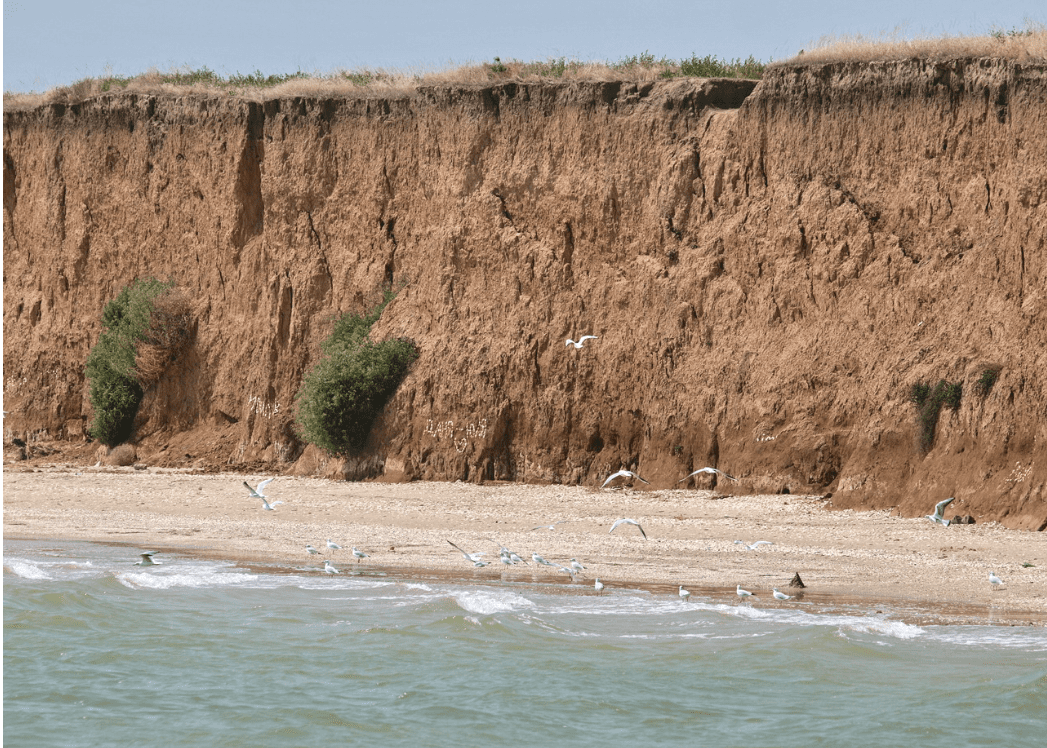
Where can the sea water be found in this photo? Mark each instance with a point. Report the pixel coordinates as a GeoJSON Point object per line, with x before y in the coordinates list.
{"type": "Point", "coordinates": [100, 652]}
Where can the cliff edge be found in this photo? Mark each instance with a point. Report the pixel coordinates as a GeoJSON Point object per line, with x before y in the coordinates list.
{"type": "Point", "coordinates": [769, 267]}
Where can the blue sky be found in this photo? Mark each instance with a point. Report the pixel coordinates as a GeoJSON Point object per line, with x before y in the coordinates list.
{"type": "Point", "coordinates": [56, 42]}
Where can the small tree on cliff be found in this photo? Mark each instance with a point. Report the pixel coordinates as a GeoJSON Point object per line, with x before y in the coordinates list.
{"type": "Point", "coordinates": [146, 325]}
{"type": "Point", "coordinates": [342, 395]}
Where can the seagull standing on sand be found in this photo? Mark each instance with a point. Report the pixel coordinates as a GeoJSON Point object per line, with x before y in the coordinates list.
{"type": "Point", "coordinates": [581, 341]}
{"type": "Point", "coordinates": [312, 551]}
{"type": "Point", "coordinates": [360, 555]}
{"type": "Point", "coordinates": [598, 585]}
{"type": "Point", "coordinates": [333, 546]}
{"type": "Point", "coordinates": [684, 594]}
{"type": "Point", "coordinates": [147, 560]}
{"type": "Point", "coordinates": [744, 593]}
{"type": "Point", "coordinates": [576, 565]}
{"type": "Point", "coordinates": [539, 560]}
{"type": "Point", "coordinates": [781, 595]}
{"type": "Point", "coordinates": [939, 509]}
{"type": "Point", "coordinates": [623, 474]}
{"type": "Point", "coordinates": [994, 580]}
{"type": "Point", "coordinates": [627, 521]}
{"type": "Point", "coordinates": [711, 470]}
{"type": "Point", "coordinates": [328, 568]}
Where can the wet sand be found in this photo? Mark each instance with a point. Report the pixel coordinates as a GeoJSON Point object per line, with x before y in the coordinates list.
{"type": "Point", "coordinates": [858, 561]}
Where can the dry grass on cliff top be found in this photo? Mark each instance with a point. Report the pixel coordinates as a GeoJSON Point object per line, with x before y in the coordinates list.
{"type": "Point", "coordinates": [1017, 44]}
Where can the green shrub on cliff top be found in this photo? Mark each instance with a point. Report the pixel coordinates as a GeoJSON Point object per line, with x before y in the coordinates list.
{"type": "Point", "coordinates": [115, 392]}
{"type": "Point", "coordinates": [342, 395]}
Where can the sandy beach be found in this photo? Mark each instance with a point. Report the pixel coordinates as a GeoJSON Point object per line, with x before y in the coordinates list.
{"type": "Point", "coordinates": [911, 568]}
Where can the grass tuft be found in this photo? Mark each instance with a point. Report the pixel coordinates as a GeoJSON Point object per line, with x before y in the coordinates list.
{"type": "Point", "coordinates": [929, 402]}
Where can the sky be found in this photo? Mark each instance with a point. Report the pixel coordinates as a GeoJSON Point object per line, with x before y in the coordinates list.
{"type": "Point", "coordinates": [50, 43]}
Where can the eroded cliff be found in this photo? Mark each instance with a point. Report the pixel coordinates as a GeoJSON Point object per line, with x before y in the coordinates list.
{"type": "Point", "coordinates": [769, 271]}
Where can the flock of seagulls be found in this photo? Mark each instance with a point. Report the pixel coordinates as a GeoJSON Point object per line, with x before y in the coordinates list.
{"type": "Point", "coordinates": [574, 567]}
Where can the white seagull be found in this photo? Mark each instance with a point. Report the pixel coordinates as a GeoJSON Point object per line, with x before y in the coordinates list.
{"type": "Point", "coordinates": [994, 580]}
{"type": "Point", "coordinates": [707, 470]}
{"type": "Point", "coordinates": [328, 568]}
{"type": "Point", "coordinates": [627, 521]}
{"type": "Point", "coordinates": [539, 560]}
{"type": "Point", "coordinates": [359, 554]}
{"type": "Point", "coordinates": [147, 560]}
{"type": "Point", "coordinates": [939, 508]}
{"type": "Point", "coordinates": [333, 546]}
{"type": "Point", "coordinates": [684, 594]}
{"type": "Point", "coordinates": [581, 341]}
{"type": "Point", "coordinates": [781, 595]}
{"type": "Point", "coordinates": [598, 585]}
{"type": "Point", "coordinates": [549, 527]}
{"type": "Point", "coordinates": [623, 474]}
{"type": "Point", "coordinates": [470, 557]}
{"type": "Point", "coordinates": [312, 551]}
{"type": "Point", "coordinates": [259, 493]}
{"type": "Point", "coordinates": [576, 565]}
{"type": "Point", "coordinates": [744, 593]}
{"type": "Point", "coordinates": [755, 545]}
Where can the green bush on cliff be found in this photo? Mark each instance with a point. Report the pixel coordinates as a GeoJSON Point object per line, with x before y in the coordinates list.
{"type": "Point", "coordinates": [115, 391]}
{"type": "Point", "coordinates": [929, 402]}
{"type": "Point", "coordinates": [342, 395]}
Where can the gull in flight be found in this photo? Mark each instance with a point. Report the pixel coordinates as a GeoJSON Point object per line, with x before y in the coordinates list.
{"type": "Point", "coordinates": [623, 474]}
{"type": "Point", "coordinates": [328, 568]}
{"type": "Point", "coordinates": [627, 521]}
{"type": "Point", "coordinates": [598, 585]}
{"type": "Point", "coordinates": [755, 545]}
{"type": "Point", "coordinates": [707, 470]}
{"type": "Point", "coordinates": [939, 508]}
{"type": "Point", "coordinates": [781, 595]}
{"type": "Point", "coordinates": [312, 551]}
{"type": "Point", "coordinates": [684, 594]}
{"type": "Point", "coordinates": [581, 341]}
{"type": "Point", "coordinates": [539, 560]}
{"type": "Point", "coordinates": [147, 560]}
{"type": "Point", "coordinates": [359, 554]}
{"type": "Point", "coordinates": [470, 557]}
{"type": "Point", "coordinates": [259, 493]}
{"type": "Point", "coordinates": [549, 527]}
{"type": "Point", "coordinates": [333, 545]}
{"type": "Point", "coordinates": [994, 580]}
{"type": "Point", "coordinates": [744, 593]}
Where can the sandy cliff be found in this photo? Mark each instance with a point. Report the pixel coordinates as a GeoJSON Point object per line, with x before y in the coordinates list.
{"type": "Point", "coordinates": [769, 271]}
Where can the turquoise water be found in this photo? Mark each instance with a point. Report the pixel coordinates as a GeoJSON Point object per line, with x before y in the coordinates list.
{"type": "Point", "coordinates": [98, 652]}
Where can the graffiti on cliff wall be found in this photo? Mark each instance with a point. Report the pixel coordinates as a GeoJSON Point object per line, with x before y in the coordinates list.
{"type": "Point", "coordinates": [459, 436]}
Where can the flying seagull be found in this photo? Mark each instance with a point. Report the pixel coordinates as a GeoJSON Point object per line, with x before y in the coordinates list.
{"type": "Point", "coordinates": [939, 508]}
{"type": "Point", "coordinates": [755, 545]}
{"type": "Point", "coordinates": [711, 470]}
{"type": "Point", "coordinates": [581, 341]}
{"type": "Point", "coordinates": [470, 557]}
{"type": "Point", "coordinates": [623, 474]}
{"type": "Point", "coordinates": [781, 595]}
{"type": "Point", "coordinates": [626, 521]}
{"type": "Point", "coordinates": [333, 545]}
{"type": "Point", "coordinates": [259, 493]}
{"type": "Point", "coordinates": [549, 527]}
{"type": "Point", "coordinates": [744, 593]}
{"type": "Point", "coordinates": [994, 580]}
{"type": "Point", "coordinates": [147, 560]}
{"type": "Point", "coordinates": [684, 594]}
{"type": "Point", "coordinates": [359, 554]}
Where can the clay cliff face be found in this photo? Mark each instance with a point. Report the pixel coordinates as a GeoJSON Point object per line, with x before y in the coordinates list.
{"type": "Point", "coordinates": [769, 271]}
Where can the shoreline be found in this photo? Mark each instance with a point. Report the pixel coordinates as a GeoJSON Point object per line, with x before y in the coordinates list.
{"type": "Point", "coordinates": [851, 562]}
